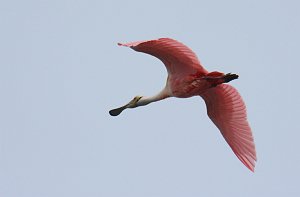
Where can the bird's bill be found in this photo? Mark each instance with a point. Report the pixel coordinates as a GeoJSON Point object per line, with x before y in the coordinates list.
{"type": "Point", "coordinates": [117, 111]}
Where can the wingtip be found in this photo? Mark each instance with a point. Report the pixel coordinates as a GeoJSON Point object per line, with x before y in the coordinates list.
{"type": "Point", "coordinates": [251, 168]}
{"type": "Point", "coordinates": [120, 44]}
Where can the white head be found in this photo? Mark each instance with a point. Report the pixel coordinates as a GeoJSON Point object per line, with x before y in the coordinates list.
{"type": "Point", "coordinates": [140, 101]}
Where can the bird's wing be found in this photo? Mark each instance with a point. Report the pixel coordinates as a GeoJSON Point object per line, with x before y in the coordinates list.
{"type": "Point", "coordinates": [178, 58]}
{"type": "Point", "coordinates": [227, 110]}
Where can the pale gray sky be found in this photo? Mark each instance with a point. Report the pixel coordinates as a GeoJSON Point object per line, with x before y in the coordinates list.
{"type": "Point", "coordinates": [61, 72]}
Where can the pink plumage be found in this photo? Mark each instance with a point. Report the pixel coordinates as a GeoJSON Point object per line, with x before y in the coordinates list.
{"type": "Point", "coordinates": [227, 110]}
{"type": "Point", "coordinates": [186, 78]}
{"type": "Point", "coordinates": [178, 58]}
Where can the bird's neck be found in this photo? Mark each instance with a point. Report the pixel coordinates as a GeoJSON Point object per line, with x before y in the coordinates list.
{"type": "Point", "coordinates": [145, 100]}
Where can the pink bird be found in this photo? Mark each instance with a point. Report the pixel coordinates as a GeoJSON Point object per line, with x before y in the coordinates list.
{"type": "Point", "coordinates": [187, 78]}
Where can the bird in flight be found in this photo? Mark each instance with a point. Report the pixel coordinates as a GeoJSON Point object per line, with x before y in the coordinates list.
{"type": "Point", "coordinates": [187, 78]}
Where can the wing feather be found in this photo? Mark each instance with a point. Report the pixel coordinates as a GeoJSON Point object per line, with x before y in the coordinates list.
{"type": "Point", "coordinates": [227, 110]}
{"type": "Point", "coordinates": [178, 58]}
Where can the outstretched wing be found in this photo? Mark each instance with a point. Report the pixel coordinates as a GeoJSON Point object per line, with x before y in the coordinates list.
{"type": "Point", "coordinates": [178, 58]}
{"type": "Point", "coordinates": [227, 110]}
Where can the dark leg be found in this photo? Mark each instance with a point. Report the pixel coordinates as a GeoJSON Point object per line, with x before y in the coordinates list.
{"type": "Point", "coordinates": [216, 78]}
{"type": "Point", "coordinates": [229, 77]}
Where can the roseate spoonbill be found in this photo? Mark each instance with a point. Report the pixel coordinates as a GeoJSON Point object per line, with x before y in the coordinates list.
{"type": "Point", "coordinates": [186, 78]}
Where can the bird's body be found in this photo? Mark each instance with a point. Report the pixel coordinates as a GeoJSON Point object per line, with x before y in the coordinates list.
{"type": "Point", "coordinates": [187, 78]}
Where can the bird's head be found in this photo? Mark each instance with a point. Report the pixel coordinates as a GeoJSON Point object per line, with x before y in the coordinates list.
{"type": "Point", "coordinates": [132, 104]}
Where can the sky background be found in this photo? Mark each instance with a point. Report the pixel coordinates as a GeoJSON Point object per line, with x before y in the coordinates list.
{"type": "Point", "coordinates": [61, 71]}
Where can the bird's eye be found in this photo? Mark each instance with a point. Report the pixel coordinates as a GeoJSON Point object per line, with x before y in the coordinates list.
{"type": "Point", "coordinates": [138, 98]}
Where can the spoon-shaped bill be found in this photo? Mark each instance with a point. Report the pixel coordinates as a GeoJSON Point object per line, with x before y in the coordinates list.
{"type": "Point", "coordinates": [131, 104]}
{"type": "Point", "coordinates": [117, 111]}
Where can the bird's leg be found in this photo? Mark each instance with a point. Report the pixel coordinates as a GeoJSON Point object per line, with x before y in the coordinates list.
{"type": "Point", "coordinates": [229, 77]}
{"type": "Point", "coordinates": [216, 78]}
